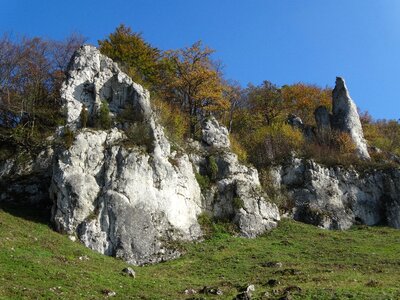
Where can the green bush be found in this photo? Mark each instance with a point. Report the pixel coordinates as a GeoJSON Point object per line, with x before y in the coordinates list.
{"type": "Point", "coordinates": [238, 149]}
{"type": "Point", "coordinates": [277, 195]}
{"type": "Point", "coordinates": [140, 134]}
{"type": "Point", "coordinates": [238, 203]}
{"type": "Point", "coordinates": [274, 143]}
{"type": "Point", "coordinates": [69, 137]}
{"type": "Point", "coordinates": [206, 224]}
{"type": "Point", "coordinates": [215, 229]}
{"type": "Point", "coordinates": [103, 119]}
{"type": "Point", "coordinates": [174, 121]}
{"type": "Point", "coordinates": [203, 181]}
{"type": "Point", "coordinates": [212, 168]}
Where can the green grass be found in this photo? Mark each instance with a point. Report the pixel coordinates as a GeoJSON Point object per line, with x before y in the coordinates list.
{"type": "Point", "coordinates": [362, 263]}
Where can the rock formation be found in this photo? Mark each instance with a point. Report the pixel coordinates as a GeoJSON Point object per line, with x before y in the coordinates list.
{"type": "Point", "coordinates": [345, 117]}
{"type": "Point", "coordinates": [235, 193]}
{"type": "Point", "coordinates": [132, 203]}
{"type": "Point", "coordinates": [120, 201]}
{"type": "Point", "coordinates": [295, 121]}
{"type": "Point", "coordinates": [337, 198]}
{"type": "Point", "coordinates": [322, 118]}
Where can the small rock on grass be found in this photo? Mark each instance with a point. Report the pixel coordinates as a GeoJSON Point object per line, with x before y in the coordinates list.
{"type": "Point", "coordinates": [190, 292]}
{"type": "Point", "coordinates": [211, 291]}
{"type": "Point", "coordinates": [108, 293]}
{"type": "Point", "coordinates": [247, 293]}
{"type": "Point", "coordinates": [129, 272]}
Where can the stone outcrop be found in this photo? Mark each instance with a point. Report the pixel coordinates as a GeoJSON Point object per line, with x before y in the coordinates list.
{"type": "Point", "coordinates": [215, 135]}
{"type": "Point", "coordinates": [295, 121]}
{"type": "Point", "coordinates": [118, 200]}
{"type": "Point", "coordinates": [131, 202]}
{"type": "Point", "coordinates": [322, 118]}
{"type": "Point", "coordinates": [345, 117]}
{"type": "Point", "coordinates": [93, 78]}
{"type": "Point", "coordinates": [125, 202]}
{"type": "Point", "coordinates": [337, 198]}
{"type": "Point", "coordinates": [235, 193]}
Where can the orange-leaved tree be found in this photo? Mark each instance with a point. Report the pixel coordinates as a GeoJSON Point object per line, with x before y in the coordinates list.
{"type": "Point", "coordinates": [302, 99]}
{"type": "Point", "coordinates": [195, 81]}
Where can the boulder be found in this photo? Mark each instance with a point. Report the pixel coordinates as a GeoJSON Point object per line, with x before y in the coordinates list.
{"type": "Point", "coordinates": [345, 117]}
{"type": "Point", "coordinates": [93, 78]}
{"type": "Point", "coordinates": [129, 272]}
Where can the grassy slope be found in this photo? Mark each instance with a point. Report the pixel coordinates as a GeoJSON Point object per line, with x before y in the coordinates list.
{"type": "Point", "coordinates": [362, 263]}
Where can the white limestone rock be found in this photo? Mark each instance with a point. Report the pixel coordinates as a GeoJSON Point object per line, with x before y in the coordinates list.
{"type": "Point", "coordinates": [124, 202]}
{"type": "Point", "coordinates": [337, 198]}
{"type": "Point", "coordinates": [215, 135]}
{"type": "Point", "coordinates": [120, 201]}
{"type": "Point", "coordinates": [131, 203]}
{"type": "Point", "coordinates": [345, 117]}
{"type": "Point", "coordinates": [236, 193]}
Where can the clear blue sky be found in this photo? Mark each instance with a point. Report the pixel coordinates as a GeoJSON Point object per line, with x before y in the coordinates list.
{"type": "Point", "coordinates": [284, 41]}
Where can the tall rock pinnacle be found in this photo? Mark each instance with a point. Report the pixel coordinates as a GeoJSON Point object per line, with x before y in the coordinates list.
{"type": "Point", "coordinates": [345, 117]}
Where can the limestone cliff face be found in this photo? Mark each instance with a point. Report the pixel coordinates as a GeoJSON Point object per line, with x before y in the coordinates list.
{"type": "Point", "coordinates": [236, 193]}
{"type": "Point", "coordinates": [125, 202]}
{"type": "Point", "coordinates": [337, 198]}
{"type": "Point", "coordinates": [132, 203]}
{"type": "Point", "coordinates": [120, 201]}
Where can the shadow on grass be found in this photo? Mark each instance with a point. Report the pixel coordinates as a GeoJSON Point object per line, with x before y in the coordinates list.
{"type": "Point", "coordinates": [35, 213]}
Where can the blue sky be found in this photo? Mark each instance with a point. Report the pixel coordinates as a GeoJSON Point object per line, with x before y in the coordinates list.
{"type": "Point", "coordinates": [283, 41]}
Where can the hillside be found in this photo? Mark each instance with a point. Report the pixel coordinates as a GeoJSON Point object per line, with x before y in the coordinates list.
{"type": "Point", "coordinates": [151, 159]}
{"type": "Point", "coordinates": [361, 263]}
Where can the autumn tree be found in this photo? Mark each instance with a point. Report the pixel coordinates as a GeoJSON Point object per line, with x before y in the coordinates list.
{"type": "Point", "coordinates": [302, 99]}
{"type": "Point", "coordinates": [195, 81]}
{"type": "Point", "coordinates": [266, 99]}
{"type": "Point", "coordinates": [135, 56]}
{"type": "Point", "coordinates": [383, 134]}
{"type": "Point", "coordinates": [234, 96]}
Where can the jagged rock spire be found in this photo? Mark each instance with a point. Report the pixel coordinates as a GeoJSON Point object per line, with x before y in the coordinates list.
{"type": "Point", "coordinates": [345, 117]}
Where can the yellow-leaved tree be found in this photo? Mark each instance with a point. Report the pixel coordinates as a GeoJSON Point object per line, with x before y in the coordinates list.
{"type": "Point", "coordinates": [134, 55]}
{"type": "Point", "coordinates": [302, 99]}
{"type": "Point", "coordinates": [195, 82]}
